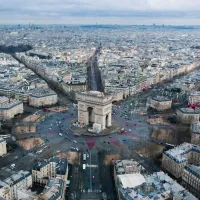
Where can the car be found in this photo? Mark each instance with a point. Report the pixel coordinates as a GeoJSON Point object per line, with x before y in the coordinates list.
{"type": "Point", "coordinates": [39, 152]}
{"type": "Point", "coordinates": [58, 151]}
{"type": "Point", "coordinates": [77, 149]}
{"type": "Point", "coordinates": [87, 155]}
{"type": "Point", "coordinates": [66, 137]}
{"type": "Point", "coordinates": [108, 142]}
{"type": "Point", "coordinates": [49, 128]}
{"type": "Point", "coordinates": [60, 134]}
{"type": "Point", "coordinates": [110, 136]}
{"type": "Point", "coordinates": [70, 140]}
{"type": "Point", "coordinates": [93, 177]}
{"type": "Point", "coordinates": [75, 141]}
{"type": "Point", "coordinates": [12, 166]}
{"type": "Point", "coordinates": [73, 148]}
{"type": "Point", "coordinates": [129, 129]}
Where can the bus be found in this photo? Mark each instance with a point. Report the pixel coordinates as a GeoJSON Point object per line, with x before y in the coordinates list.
{"type": "Point", "coordinates": [84, 157]}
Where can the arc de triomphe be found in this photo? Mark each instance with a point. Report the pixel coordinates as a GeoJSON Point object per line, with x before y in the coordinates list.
{"type": "Point", "coordinates": [95, 109]}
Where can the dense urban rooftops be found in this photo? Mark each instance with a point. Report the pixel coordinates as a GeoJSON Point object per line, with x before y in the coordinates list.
{"type": "Point", "coordinates": [155, 186]}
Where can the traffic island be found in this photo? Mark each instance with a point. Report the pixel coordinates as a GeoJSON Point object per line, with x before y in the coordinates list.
{"type": "Point", "coordinates": [79, 131]}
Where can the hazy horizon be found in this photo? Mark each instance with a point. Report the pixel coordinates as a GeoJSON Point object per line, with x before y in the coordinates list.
{"type": "Point", "coordinates": [126, 12]}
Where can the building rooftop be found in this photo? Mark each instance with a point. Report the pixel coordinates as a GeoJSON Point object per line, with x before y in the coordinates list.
{"type": "Point", "coordinates": [190, 110]}
{"type": "Point", "coordinates": [195, 170]}
{"type": "Point", "coordinates": [17, 177]}
{"type": "Point", "coordinates": [160, 98]}
{"type": "Point", "coordinates": [41, 92]}
{"type": "Point", "coordinates": [196, 93]}
{"type": "Point", "coordinates": [127, 167]}
{"type": "Point", "coordinates": [6, 103]}
{"type": "Point", "coordinates": [178, 154]}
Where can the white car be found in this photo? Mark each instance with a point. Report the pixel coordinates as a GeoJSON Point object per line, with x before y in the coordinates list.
{"type": "Point", "coordinates": [58, 151]}
{"type": "Point", "coordinates": [12, 166]}
{"type": "Point", "coordinates": [60, 134]}
{"type": "Point", "coordinates": [75, 141]}
{"type": "Point", "coordinates": [77, 149]}
{"type": "Point", "coordinates": [39, 152]}
{"type": "Point", "coordinates": [87, 155]}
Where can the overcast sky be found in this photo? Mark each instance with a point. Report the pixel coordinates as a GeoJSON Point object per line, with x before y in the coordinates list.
{"type": "Point", "coordinates": [172, 12]}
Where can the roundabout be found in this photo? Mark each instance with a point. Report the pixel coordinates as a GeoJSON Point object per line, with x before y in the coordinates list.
{"type": "Point", "coordinates": [57, 131]}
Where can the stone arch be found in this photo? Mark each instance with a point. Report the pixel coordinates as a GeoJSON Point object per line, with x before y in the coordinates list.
{"type": "Point", "coordinates": [90, 115]}
{"type": "Point", "coordinates": [106, 121]}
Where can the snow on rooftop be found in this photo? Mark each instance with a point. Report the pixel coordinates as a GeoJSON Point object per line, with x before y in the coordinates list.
{"type": "Point", "coordinates": [131, 180]}
{"type": "Point", "coordinates": [178, 153]}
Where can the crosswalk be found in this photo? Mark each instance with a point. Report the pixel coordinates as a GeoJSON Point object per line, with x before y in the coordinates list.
{"type": "Point", "coordinates": [95, 166]}
{"type": "Point", "coordinates": [90, 190]}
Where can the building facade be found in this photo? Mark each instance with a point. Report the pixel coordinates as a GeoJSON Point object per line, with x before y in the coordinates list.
{"type": "Point", "coordinates": [43, 97]}
{"type": "Point", "coordinates": [50, 173]}
{"type": "Point", "coordinates": [9, 108]}
{"type": "Point", "coordinates": [195, 133]}
{"type": "Point", "coordinates": [160, 103]}
{"type": "Point", "coordinates": [51, 168]}
{"type": "Point", "coordinates": [188, 115]}
{"type": "Point", "coordinates": [3, 148]}
{"type": "Point", "coordinates": [191, 179]}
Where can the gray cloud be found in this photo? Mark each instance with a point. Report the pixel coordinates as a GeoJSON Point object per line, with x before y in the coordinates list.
{"type": "Point", "coordinates": [48, 11]}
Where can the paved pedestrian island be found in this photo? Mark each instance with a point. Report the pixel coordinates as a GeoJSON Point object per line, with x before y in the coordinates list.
{"type": "Point", "coordinates": [84, 131]}
{"type": "Point", "coordinates": [91, 196]}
